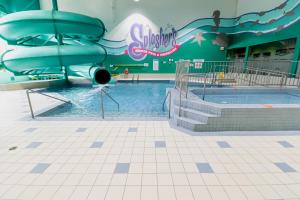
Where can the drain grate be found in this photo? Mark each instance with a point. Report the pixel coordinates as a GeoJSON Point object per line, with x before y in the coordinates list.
{"type": "Point", "coordinates": [12, 148]}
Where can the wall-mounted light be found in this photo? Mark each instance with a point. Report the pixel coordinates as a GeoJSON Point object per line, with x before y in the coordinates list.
{"type": "Point", "coordinates": [136, 0]}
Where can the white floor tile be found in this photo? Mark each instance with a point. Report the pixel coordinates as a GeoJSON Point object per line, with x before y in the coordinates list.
{"type": "Point", "coordinates": [201, 193]}
{"type": "Point", "coordinates": [98, 193]}
{"type": "Point", "coordinates": [149, 193]}
{"type": "Point", "coordinates": [115, 192]}
{"type": "Point", "coordinates": [132, 193]}
{"type": "Point", "coordinates": [81, 192]}
{"type": "Point", "coordinates": [217, 193]}
{"type": "Point", "coordinates": [183, 193]}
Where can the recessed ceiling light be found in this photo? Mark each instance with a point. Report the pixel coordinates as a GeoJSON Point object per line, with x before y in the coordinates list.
{"type": "Point", "coordinates": [136, 0]}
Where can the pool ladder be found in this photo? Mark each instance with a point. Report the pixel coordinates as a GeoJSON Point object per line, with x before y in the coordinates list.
{"type": "Point", "coordinates": [169, 95]}
{"type": "Point", "coordinates": [137, 79]}
{"type": "Point", "coordinates": [102, 94]}
{"type": "Point", "coordinates": [29, 91]}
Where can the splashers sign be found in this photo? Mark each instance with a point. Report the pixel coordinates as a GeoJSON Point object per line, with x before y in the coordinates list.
{"type": "Point", "coordinates": [143, 42]}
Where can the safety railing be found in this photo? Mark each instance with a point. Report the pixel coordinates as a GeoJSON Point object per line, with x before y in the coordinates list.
{"type": "Point", "coordinates": [29, 91]}
{"type": "Point", "coordinates": [228, 73]}
{"type": "Point", "coordinates": [102, 93]}
{"type": "Point", "coordinates": [137, 78]}
{"type": "Point", "coordinates": [204, 80]}
{"type": "Point", "coordinates": [241, 73]}
{"type": "Point", "coordinates": [169, 95]}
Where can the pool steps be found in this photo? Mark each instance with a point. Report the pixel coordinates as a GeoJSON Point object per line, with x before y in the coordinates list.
{"type": "Point", "coordinates": [194, 115]}
{"type": "Point", "coordinates": [203, 117]}
{"type": "Point", "coordinates": [187, 123]}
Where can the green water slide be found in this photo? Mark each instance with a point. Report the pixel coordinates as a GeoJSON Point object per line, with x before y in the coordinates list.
{"type": "Point", "coordinates": [45, 41]}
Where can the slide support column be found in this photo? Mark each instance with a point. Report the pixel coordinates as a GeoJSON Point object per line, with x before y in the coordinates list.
{"type": "Point", "coordinates": [296, 57]}
{"type": "Point", "coordinates": [246, 56]}
{"type": "Point", "coordinates": [60, 41]}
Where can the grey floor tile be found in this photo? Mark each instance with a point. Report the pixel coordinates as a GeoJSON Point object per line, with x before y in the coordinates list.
{"type": "Point", "coordinates": [132, 129]}
{"type": "Point", "coordinates": [223, 144]}
{"type": "Point", "coordinates": [81, 130]}
{"type": "Point", "coordinates": [97, 144]}
{"type": "Point", "coordinates": [160, 144]}
{"type": "Point", "coordinates": [286, 144]}
{"type": "Point", "coordinates": [204, 168]}
{"type": "Point", "coordinates": [122, 168]}
{"type": "Point", "coordinates": [34, 145]}
{"type": "Point", "coordinates": [30, 130]}
{"type": "Point", "coordinates": [40, 168]}
{"type": "Point", "coordinates": [285, 167]}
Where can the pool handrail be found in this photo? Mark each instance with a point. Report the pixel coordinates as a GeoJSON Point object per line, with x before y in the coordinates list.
{"type": "Point", "coordinates": [169, 94]}
{"type": "Point", "coordinates": [102, 102]}
{"type": "Point", "coordinates": [29, 91]}
{"type": "Point", "coordinates": [230, 73]}
{"type": "Point", "coordinates": [205, 76]}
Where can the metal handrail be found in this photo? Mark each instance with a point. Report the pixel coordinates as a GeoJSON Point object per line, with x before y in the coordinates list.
{"type": "Point", "coordinates": [204, 88]}
{"type": "Point", "coordinates": [169, 94]}
{"type": "Point", "coordinates": [102, 102]}
{"type": "Point", "coordinates": [29, 91]}
{"type": "Point", "coordinates": [205, 76]}
{"type": "Point", "coordinates": [186, 92]}
{"type": "Point", "coordinates": [242, 73]}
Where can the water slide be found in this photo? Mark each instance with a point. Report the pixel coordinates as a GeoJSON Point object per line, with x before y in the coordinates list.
{"type": "Point", "coordinates": [45, 41]}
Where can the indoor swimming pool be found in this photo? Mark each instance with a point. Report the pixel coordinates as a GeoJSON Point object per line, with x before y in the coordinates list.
{"type": "Point", "coordinates": [136, 100]}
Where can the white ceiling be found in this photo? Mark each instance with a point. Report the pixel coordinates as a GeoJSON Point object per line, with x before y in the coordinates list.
{"type": "Point", "coordinates": [246, 6]}
{"type": "Point", "coordinates": [161, 12]}
{"type": "Point", "coordinates": [175, 12]}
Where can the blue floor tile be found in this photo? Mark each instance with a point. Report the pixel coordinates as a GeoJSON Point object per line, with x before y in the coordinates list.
{"type": "Point", "coordinates": [97, 145]}
{"type": "Point", "coordinates": [81, 130]}
{"type": "Point", "coordinates": [285, 167]}
{"type": "Point", "coordinates": [204, 168]}
{"type": "Point", "coordinates": [132, 129]}
{"type": "Point", "coordinates": [30, 130]}
{"type": "Point", "coordinates": [285, 144]}
{"type": "Point", "coordinates": [40, 168]}
{"type": "Point", "coordinates": [223, 144]}
{"type": "Point", "coordinates": [34, 145]}
{"type": "Point", "coordinates": [122, 168]}
{"type": "Point", "coordinates": [160, 144]}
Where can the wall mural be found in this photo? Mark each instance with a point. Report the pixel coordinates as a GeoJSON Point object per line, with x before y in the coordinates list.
{"type": "Point", "coordinates": [137, 45]}
{"type": "Point", "coordinates": [144, 42]}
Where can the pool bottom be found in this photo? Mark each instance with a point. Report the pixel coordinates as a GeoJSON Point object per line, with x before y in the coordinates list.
{"type": "Point", "coordinates": [136, 101]}
{"type": "Point", "coordinates": [54, 114]}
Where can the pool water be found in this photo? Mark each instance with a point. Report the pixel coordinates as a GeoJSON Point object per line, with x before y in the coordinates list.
{"type": "Point", "coordinates": [275, 98]}
{"type": "Point", "coordinates": [143, 99]}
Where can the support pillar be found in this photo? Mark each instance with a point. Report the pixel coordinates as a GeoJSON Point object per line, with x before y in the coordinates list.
{"type": "Point", "coordinates": [54, 5]}
{"type": "Point", "coordinates": [246, 56]}
{"type": "Point", "coordinates": [60, 40]}
{"type": "Point", "coordinates": [296, 57]}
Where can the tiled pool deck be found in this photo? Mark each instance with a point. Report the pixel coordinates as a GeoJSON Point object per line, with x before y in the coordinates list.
{"type": "Point", "coordinates": [139, 160]}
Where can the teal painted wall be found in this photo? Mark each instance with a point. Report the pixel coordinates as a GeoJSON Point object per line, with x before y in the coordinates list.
{"type": "Point", "coordinates": [250, 39]}
{"type": "Point", "coordinates": [190, 50]}
{"type": "Point", "coordinates": [279, 23]}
